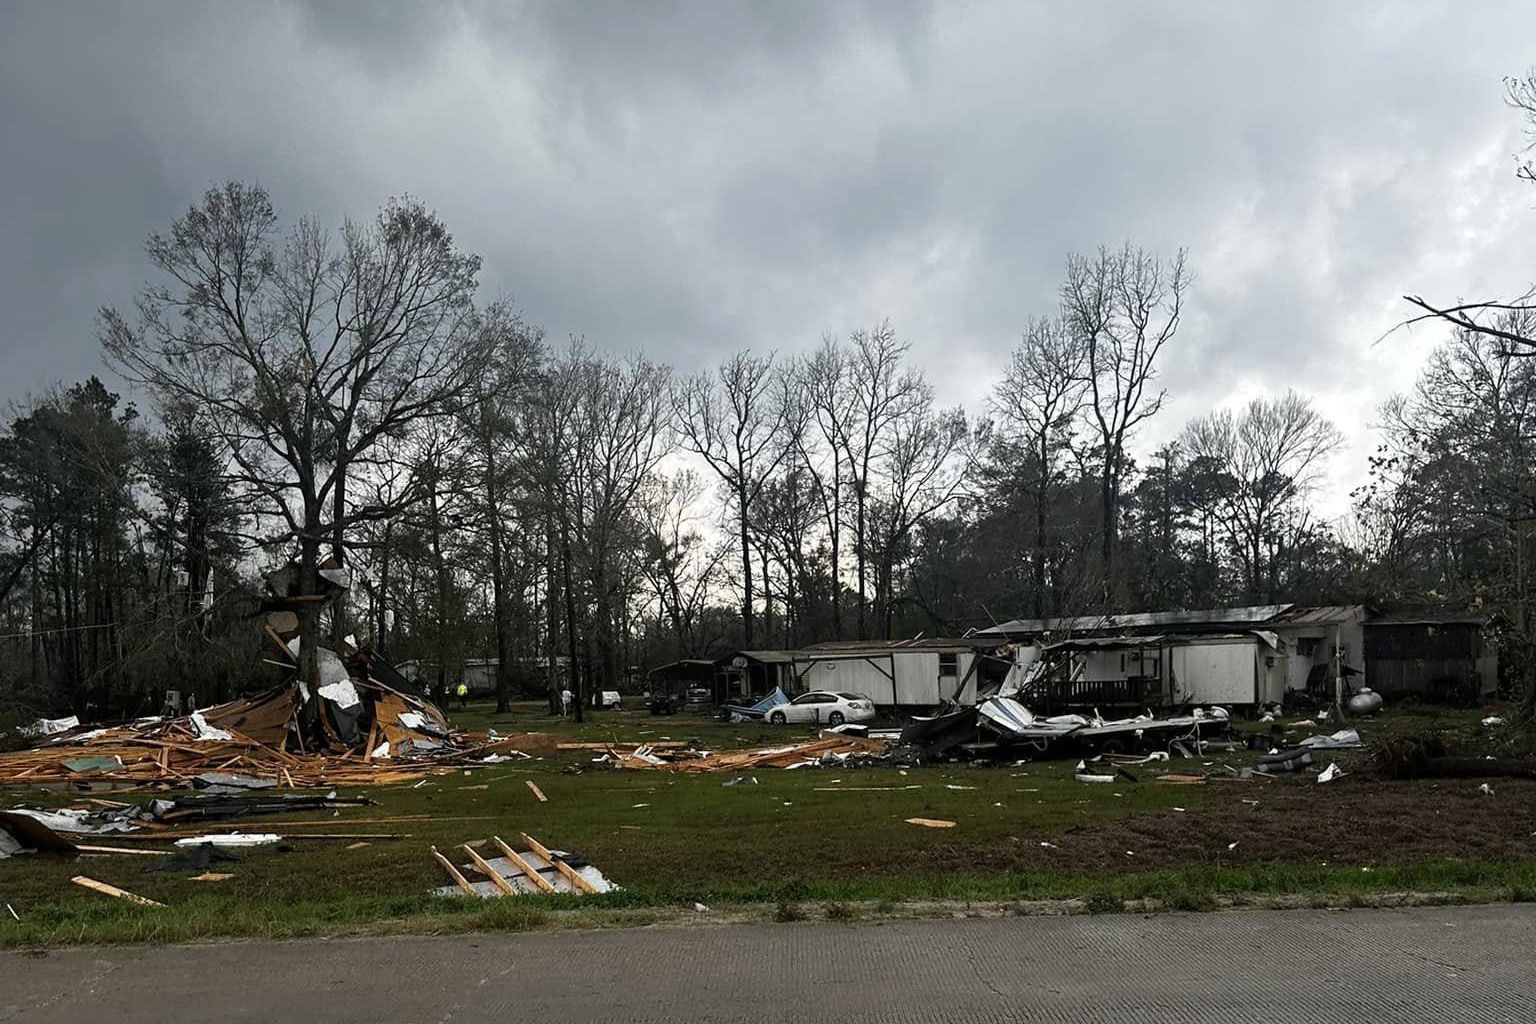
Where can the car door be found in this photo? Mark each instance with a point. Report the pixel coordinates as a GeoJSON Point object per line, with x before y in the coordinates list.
{"type": "Point", "coordinates": [802, 708]}
{"type": "Point", "coordinates": [822, 706]}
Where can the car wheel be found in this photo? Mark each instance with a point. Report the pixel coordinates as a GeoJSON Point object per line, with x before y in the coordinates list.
{"type": "Point", "coordinates": [777, 718]}
{"type": "Point", "coordinates": [835, 718]}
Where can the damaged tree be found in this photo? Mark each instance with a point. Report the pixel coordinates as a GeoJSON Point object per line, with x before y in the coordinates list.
{"type": "Point", "coordinates": [305, 352]}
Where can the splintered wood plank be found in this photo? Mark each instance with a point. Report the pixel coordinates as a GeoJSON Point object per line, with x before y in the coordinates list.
{"type": "Point", "coordinates": [537, 791]}
{"type": "Point", "coordinates": [532, 873]}
{"type": "Point", "coordinates": [931, 822]}
{"type": "Point", "coordinates": [453, 873]}
{"type": "Point", "coordinates": [571, 874]}
{"type": "Point", "coordinates": [495, 876]}
{"type": "Point", "coordinates": [114, 891]}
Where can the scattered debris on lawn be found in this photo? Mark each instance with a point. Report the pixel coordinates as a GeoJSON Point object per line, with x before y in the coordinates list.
{"type": "Point", "coordinates": [931, 822]}
{"type": "Point", "coordinates": [1344, 739]}
{"type": "Point", "coordinates": [536, 869]}
{"type": "Point", "coordinates": [831, 749]}
{"type": "Point", "coordinates": [22, 832]}
{"type": "Point", "coordinates": [537, 791]}
{"type": "Point", "coordinates": [112, 890]}
{"type": "Point", "coordinates": [364, 724]}
{"type": "Point", "coordinates": [1329, 773]}
{"type": "Point", "coordinates": [232, 839]}
{"type": "Point", "coordinates": [1003, 728]}
{"type": "Point", "coordinates": [1293, 760]}
{"type": "Point", "coordinates": [211, 876]}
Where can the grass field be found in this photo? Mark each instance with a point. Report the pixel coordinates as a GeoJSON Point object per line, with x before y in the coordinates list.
{"type": "Point", "coordinates": [828, 838]}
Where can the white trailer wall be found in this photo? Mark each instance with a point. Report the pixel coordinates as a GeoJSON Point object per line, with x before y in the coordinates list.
{"type": "Point", "coordinates": [870, 676]}
{"type": "Point", "coordinates": [1220, 672]}
{"type": "Point", "coordinates": [906, 678]}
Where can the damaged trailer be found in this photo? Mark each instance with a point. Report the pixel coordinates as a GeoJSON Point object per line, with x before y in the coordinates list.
{"type": "Point", "coordinates": [1137, 672]}
{"type": "Point", "coordinates": [1001, 727]}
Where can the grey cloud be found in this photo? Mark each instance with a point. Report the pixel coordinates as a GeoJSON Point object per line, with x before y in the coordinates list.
{"type": "Point", "coordinates": [693, 177]}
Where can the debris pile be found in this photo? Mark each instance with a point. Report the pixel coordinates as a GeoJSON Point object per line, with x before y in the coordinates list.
{"type": "Point", "coordinates": [181, 751]}
{"type": "Point", "coordinates": [1003, 727]}
{"type": "Point", "coordinates": [365, 725]}
{"type": "Point", "coordinates": [510, 872]}
{"type": "Point", "coordinates": [831, 749]}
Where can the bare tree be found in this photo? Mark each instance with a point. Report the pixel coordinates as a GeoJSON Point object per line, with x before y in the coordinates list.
{"type": "Point", "coordinates": [824, 387]}
{"type": "Point", "coordinates": [1270, 456]}
{"type": "Point", "coordinates": [1489, 318]}
{"type": "Point", "coordinates": [305, 353]}
{"type": "Point", "coordinates": [680, 564]}
{"type": "Point", "coordinates": [624, 430]}
{"type": "Point", "coordinates": [923, 470]}
{"type": "Point", "coordinates": [1123, 305]}
{"type": "Point", "coordinates": [1038, 401]}
{"type": "Point", "coordinates": [881, 392]}
{"type": "Point", "coordinates": [499, 467]}
{"type": "Point", "coordinates": [738, 421]}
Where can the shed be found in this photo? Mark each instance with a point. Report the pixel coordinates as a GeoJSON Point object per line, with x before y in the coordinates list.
{"type": "Point", "coordinates": [1437, 657]}
{"type": "Point", "coordinates": [744, 674]}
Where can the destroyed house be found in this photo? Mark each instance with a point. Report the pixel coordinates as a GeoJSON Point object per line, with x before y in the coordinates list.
{"type": "Point", "coordinates": [1394, 654]}
{"type": "Point", "coordinates": [1139, 672]}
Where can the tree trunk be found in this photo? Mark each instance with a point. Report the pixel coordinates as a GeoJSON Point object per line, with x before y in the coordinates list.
{"type": "Point", "coordinates": [570, 618]}
{"type": "Point", "coordinates": [860, 551]}
{"type": "Point", "coordinates": [501, 613]}
{"type": "Point", "coordinates": [338, 552]}
{"type": "Point", "coordinates": [309, 628]}
{"type": "Point", "coordinates": [746, 568]}
{"type": "Point", "coordinates": [1109, 508]}
{"type": "Point", "coordinates": [1039, 552]}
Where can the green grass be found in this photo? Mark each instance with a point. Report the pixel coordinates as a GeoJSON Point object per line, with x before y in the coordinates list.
{"type": "Point", "coordinates": [797, 840]}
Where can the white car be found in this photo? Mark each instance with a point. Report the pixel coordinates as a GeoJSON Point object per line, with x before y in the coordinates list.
{"type": "Point", "coordinates": [823, 707]}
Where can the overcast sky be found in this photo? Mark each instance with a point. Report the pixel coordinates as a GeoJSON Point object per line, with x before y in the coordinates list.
{"type": "Point", "coordinates": [693, 178]}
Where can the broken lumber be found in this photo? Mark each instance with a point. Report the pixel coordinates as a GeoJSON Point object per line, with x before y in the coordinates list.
{"type": "Point", "coordinates": [112, 890]}
{"type": "Point", "coordinates": [521, 863]}
{"type": "Point", "coordinates": [453, 873]}
{"type": "Point", "coordinates": [571, 874]}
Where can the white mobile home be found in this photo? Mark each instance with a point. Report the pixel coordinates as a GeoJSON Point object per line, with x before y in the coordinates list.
{"type": "Point", "coordinates": [1243, 669]}
{"type": "Point", "coordinates": [911, 674]}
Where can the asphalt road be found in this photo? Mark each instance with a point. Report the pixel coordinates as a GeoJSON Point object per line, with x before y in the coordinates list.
{"type": "Point", "coordinates": [1439, 964]}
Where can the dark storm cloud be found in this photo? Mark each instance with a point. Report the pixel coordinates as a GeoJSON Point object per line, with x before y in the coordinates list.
{"type": "Point", "coordinates": [693, 177]}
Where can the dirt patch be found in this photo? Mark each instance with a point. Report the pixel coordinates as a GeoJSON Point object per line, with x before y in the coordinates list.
{"type": "Point", "coordinates": [1351, 820]}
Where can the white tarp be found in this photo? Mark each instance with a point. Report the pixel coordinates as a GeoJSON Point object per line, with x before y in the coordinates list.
{"type": "Point", "coordinates": [342, 693]}
{"type": "Point", "coordinates": [50, 726]}
{"type": "Point", "coordinates": [206, 731]}
{"type": "Point", "coordinates": [1340, 740]}
{"type": "Point", "coordinates": [335, 682]}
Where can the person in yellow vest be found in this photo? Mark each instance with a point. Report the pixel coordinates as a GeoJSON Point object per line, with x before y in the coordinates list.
{"type": "Point", "coordinates": [463, 694]}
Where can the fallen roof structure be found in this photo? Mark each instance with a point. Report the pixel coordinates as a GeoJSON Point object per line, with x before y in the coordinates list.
{"type": "Point", "coordinates": [830, 749]}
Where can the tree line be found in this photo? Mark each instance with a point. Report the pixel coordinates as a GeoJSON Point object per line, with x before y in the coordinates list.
{"type": "Point", "coordinates": [345, 395]}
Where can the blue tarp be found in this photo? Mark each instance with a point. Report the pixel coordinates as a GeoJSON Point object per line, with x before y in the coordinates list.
{"type": "Point", "coordinates": [760, 709]}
